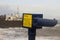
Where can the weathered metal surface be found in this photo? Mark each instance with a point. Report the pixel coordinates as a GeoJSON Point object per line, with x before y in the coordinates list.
{"type": "Point", "coordinates": [46, 22]}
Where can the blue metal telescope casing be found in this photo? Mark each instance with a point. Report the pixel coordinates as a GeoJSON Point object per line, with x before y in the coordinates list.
{"type": "Point", "coordinates": [47, 22]}
{"type": "Point", "coordinates": [44, 22]}
{"type": "Point", "coordinates": [34, 21]}
{"type": "Point", "coordinates": [39, 21]}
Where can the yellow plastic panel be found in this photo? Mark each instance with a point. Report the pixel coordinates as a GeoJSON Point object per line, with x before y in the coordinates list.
{"type": "Point", "coordinates": [27, 20]}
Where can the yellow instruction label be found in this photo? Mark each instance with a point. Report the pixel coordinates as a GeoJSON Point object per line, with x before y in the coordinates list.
{"type": "Point", "coordinates": [27, 21]}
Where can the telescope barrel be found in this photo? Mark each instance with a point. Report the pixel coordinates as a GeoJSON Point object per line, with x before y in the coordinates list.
{"type": "Point", "coordinates": [45, 22]}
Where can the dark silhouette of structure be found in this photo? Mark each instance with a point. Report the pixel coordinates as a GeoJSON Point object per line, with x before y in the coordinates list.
{"type": "Point", "coordinates": [2, 17]}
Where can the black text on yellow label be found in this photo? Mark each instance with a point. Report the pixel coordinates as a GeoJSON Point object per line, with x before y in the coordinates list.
{"type": "Point", "coordinates": [27, 22]}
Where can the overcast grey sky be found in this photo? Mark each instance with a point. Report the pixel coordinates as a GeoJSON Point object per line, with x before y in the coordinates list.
{"type": "Point", "coordinates": [50, 8]}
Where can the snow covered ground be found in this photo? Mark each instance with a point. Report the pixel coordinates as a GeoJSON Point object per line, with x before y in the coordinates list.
{"type": "Point", "coordinates": [37, 38]}
{"type": "Point", "coordinates": [22, 34]}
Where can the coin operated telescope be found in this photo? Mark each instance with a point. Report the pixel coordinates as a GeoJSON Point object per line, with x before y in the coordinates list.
{"type": "Point", "coordinates": [35, 21]}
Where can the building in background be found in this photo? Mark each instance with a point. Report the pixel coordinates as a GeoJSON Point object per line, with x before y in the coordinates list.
{"type": "Point", "coordinates": [12, 17]}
